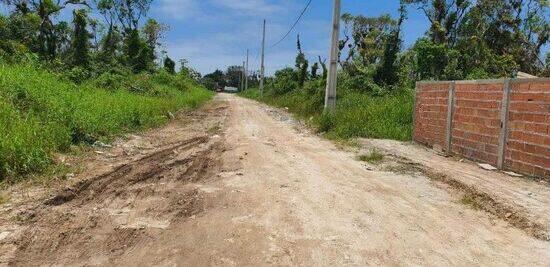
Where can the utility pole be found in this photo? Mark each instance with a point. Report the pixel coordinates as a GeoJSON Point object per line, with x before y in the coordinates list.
{"type": "Point", "coordinates": [243, 76]}
{"type": "Point", "coordinates": [330, 95]}
{"type": "Point", "coordinates": [246, 72]}
{"type": "Point", "coordinates": [262, 68]}
{"type": "Point", "coordinates": [240, 81]}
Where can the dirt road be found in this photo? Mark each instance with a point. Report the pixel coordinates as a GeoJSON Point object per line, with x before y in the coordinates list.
{"type": "Point", "coordinates": [238, 183]}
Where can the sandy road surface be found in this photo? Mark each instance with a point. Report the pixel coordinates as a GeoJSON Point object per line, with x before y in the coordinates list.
{"type": "Point", "coordinates": [241, 185]}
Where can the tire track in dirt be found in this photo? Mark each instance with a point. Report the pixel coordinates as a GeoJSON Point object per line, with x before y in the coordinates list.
{"type": "Point", "coordinates": [100, 218]}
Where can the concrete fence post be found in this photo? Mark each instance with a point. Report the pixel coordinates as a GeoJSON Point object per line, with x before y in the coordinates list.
{"type": "Point", "coordinates": [503, 136]}
{"type": "Point", "coordinates": [450, 111]}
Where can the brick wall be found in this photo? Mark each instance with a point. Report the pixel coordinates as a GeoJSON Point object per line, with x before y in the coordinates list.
{"type": "Point", "coordinates": [430, 115]}
{"type": "Point", "coordinates": [476, 122]}
{"type": "Point", "coordinates": [528, 146]}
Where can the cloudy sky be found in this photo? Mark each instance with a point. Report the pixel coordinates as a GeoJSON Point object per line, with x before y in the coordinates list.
{"type": "Point", "coordinates": [214, 34]}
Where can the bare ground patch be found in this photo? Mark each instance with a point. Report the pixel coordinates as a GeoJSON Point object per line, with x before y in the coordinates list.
{"type": "Point", "coordinates": [96, 219]}
{"type": "Point", "coordinates": [469, 195]}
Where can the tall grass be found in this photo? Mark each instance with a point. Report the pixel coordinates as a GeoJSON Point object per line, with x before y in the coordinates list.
{"type": "Point", "coordinates": [41, 114]}
{"type": "Point", "coordinates": [357, 114]}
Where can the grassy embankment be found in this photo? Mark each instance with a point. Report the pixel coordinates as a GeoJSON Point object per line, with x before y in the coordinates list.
{"type": "Point", "coordinates": [357, 115]}
{"type": "Point", "coordinates": [42, 113]}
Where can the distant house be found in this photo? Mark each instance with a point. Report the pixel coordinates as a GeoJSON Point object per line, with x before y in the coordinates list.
{"type": "Point", "coordinates": [229, 89]}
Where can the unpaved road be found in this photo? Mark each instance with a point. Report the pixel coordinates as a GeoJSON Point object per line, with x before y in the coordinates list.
{"type": "Point", "coordinates": [241, 184]}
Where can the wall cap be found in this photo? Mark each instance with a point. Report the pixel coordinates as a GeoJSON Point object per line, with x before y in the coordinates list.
{"type": "Point", "coordinates": [484, 81]}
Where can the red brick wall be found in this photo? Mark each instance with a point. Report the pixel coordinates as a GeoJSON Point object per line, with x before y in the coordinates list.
{"type": "Point", "coordinates": [431, 113]}
{"type": "Point", "coordinates": [476, 121]}
{"type": "Point", "coordinates": [528, 146]}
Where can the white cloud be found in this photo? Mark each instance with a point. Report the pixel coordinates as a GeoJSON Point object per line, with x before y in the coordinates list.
{"type": "Point", "coordinates": [254, 6]}
{"type": "Point", "coordinates": [179, 9]}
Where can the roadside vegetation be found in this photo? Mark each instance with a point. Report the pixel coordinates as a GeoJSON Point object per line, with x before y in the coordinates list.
{"type": "Point", "coordinates": [67, 83]}
{"type": "Point", "coordinates": [377, 75]}
{"type": "Point", "coordinates": [357, 115]}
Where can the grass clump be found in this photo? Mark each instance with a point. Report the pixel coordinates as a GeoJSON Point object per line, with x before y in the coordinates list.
{"type": "Point", "coordinates": [42, 113]}
{"type": "Point", "coordinates": [4, 199]}
{"type": "Point", "coordinates": [374, 156]}
{"type": "Point", "coordinates": [469, 200]}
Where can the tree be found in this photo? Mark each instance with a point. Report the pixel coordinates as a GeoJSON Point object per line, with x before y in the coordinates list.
{"type": "Point", "coordinates": [20, 28]}
{"type": "Point", "coordinates": [153, 32]}
{"type": "Point", "coordinates": [137, 52]}
{"type": "Point", "coordinates": [518, 28]}
{"type": "Point", "coordinates": [445, 17]}
{"type": "Point", "coordinates": [110, 44]}
{"type": "Point", "coordinates": [215, 80]}
{"type": "Point", "coordinates": [301, 65]}
{"type": "Point", "coordinates": [314, 69]}
{"type": "Point", "coordinates": [130, 12]}
{"type": "Point", "coordinates": [80, 43]}
{"type": "Point", "coordinates": [233, 75]}
{"type": "Point", "coordinates": [369, 36]}
{"type": "Point", "coordinates": [323, 64]}
{"type": "Point", "coordinates": [386, 73]}
{"type": "Point", "coordinates": [47, 31]}
{"type": "Point", "coordinates": [170, 65]}
{"type": "Point", "coordinates": [110, 41]}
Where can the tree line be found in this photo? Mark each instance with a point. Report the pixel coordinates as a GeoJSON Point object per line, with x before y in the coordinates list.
{"type": "Point", "coordinates": [119, 38]}
{"type": "Point", "coordinates": [466, 39]}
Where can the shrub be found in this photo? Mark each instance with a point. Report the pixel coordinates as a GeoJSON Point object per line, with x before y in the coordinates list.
{"type": "Point", "coordinates": [110, 81]}
{"type": "Point", "coordinates": [141, 83]}
{"type": "Point", "coordinates": [77, 75]}
{"type": "Point", "coordinates": [285, 81]}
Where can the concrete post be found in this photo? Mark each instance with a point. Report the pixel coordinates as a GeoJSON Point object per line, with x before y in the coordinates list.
{"type": "Point", "coordinates": [503, 136]}
{"type": "Point", "coordinates": [450, 111]}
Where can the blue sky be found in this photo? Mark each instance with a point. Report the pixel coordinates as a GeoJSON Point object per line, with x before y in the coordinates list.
{"type": "Point", "coordinates": [215, 34]}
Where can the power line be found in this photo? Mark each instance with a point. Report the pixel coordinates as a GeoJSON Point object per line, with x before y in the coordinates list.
{"type": "Point", "coordinates": [294, 25]}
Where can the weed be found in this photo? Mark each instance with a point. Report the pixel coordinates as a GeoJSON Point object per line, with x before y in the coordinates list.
{"type": "Point", "coordinates": [4, 199]}
{"type": "Point", "coordinates": [469, 200]}
{"type": "Point", "coordinates": [373, 157]}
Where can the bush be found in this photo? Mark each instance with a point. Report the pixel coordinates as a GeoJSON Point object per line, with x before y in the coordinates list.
{"type": "Point", "coordinates": [110, 81]}
{"type": "Point", "coordinates": [141, 83]}
{"type": "Point", "coordinates": [77, 75]}
{"type": "Point", "coordinates": [285, 82]}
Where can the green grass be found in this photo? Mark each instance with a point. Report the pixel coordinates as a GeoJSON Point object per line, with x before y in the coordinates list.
{"type": "Point", "coordinates": [372, 157]}
{"type": "Point", "coordinates": [41, 114]}
{"type": "Point", "coordinates": [357, 115]}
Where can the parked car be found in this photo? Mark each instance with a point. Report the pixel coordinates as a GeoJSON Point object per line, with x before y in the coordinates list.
{"type": "Point", "coordinates": [229, 89]}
